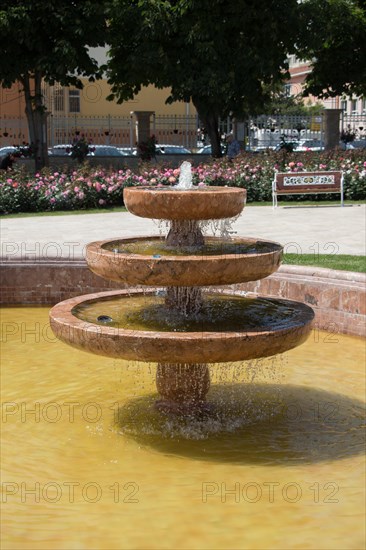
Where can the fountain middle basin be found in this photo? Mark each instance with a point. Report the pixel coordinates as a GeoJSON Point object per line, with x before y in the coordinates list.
{"type": "Point", "coordinates": [149, 261]}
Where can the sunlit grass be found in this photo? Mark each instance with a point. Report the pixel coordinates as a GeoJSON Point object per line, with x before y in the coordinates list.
{"type": "Point", "coordinates": [342, 262]}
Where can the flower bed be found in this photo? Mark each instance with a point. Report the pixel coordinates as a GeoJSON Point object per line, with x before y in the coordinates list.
{"type": "Point", "coordinates": [98, 188]}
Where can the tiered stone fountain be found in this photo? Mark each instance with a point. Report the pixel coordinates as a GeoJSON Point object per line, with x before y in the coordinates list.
{"type": "Point", "coordinates": [175, 320]}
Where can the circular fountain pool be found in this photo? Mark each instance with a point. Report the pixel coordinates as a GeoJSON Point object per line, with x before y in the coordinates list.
{"type": "Point", "coordinates": [87, 459]}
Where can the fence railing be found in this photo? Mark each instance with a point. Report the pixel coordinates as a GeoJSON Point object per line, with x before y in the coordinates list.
{"type": "Point", "coordinates": [176, 129]}
{"type": "Point", "coordinates": [13, 130]}
{"type": "Point", "coordinates": [257, 132]}
{"type": "Point", "coordinates": [267, 130]}
{"type": "Point", "coordinates": [101, 130]}
{"type": "Point", "coordinates": [354, 123]}
{"type": "Point", "coordinates": [120, 131]}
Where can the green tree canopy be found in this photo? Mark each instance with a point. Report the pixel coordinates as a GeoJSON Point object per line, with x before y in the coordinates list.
{"type": "Point", "coordinates": [48, 41]}
{"type": "Point", "coordinates": [334, 38]}
{"type": "Point", "coordinates": [217, 53]}
{"type": "Point", "coordinates": [280, 102]}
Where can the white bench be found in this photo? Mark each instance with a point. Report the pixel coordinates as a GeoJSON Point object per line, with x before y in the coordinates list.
{"type": "Point", "coordinates": [299, 183]}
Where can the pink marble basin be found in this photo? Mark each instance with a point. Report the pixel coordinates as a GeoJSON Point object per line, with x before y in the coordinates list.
{"type": "Point", "coordinates": [179, 347]}
{"type": "Point", "coordinates": [114, 261]}
{"type": "Point", "coordinates": [199, 203]}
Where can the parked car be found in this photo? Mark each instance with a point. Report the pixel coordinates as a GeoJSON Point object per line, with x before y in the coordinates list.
{"type": "Point", "coordinates": [262, 148]}
{"type": "Point", "coordinates": [207, 150]}
{"type": "Point", "coordinates": [309, 145]}
{"type": "Point", "coordinates": [128, 151]}
{"type": "Point", "coordinates": [6, 150]}
{"type": "Point", "coordinates": [357, 144]}
{"type": "Point", "coordinates": [106, 151]}
{"type": "Point", "coordinates": [61, 150]}
{"type": "Point", "coordinates": [171, 150]}
{"type": "Point", "coordinates": [166, 150]}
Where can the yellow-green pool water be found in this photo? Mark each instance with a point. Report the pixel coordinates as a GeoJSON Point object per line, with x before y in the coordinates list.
{"type": "Point", "coordinates": [88, 463]}
{"type": "Point", "coordinates": [157, 247]}
{"type": "Point", "coordinates": [219, 313]}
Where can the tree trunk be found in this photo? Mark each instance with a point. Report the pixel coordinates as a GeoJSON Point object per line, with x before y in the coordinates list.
{"type": "Point", "coordinates": [41, 157]}
{"type": "Point", "coordinates": [36, 116]}
{"type": "Point", "coordinates": [29, 108]}
{"type": "Point", "coordinates": [210, 120]}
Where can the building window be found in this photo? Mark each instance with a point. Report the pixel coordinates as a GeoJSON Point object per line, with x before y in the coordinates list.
{"type": "Point", "coordinates": [344, 105]}
{"type": "Point", "coordinates": [294, 61]}
{"type": "Point", "coordinates": [354, 106]}
{"type": "Point", "coordinates": [364, 105]}
{"type": "Point", "coordinates": [58, 99]}
{"type": "Point", "coordinates": [287, 90]}
{"type": "Point", "coordinates": [74, 101]}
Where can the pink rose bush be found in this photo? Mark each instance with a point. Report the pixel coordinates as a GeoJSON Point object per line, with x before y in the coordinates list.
{"type": "Point", "coordinates": [90, 187]}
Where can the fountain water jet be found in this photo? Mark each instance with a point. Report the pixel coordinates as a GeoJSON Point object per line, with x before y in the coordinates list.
{"type": "Point", "coordinates": [260, 327]}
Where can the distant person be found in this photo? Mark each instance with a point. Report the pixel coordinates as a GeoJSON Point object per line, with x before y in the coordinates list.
{"type": "Point", "coordinates": [233, 147]}
{"type": "Point", "coordinates": [7, 162]}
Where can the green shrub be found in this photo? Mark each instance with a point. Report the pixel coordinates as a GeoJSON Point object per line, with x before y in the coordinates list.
{"type": "Point", "coordinates": [90, 187]}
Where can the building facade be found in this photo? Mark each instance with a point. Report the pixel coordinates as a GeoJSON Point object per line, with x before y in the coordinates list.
{"type": "Point", "coordinates": [299, 70]}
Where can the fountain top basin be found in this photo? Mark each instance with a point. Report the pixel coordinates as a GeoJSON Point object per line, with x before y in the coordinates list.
{"type": "Point", "coordinates": [195, 203]}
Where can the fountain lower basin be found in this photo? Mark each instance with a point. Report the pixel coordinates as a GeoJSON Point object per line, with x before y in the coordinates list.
{"type": "Point", "coordinates": [164, 345]}
{"type": "Point", "coordinates": [149, 261]}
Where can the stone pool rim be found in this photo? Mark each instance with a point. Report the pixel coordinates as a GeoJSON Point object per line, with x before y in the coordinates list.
{"type": "Point", "coordinates": [338, 298]}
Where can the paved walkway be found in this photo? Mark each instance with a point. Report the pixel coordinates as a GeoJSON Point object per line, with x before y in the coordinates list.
{"type": "Point", "coordinates": [317, 230]}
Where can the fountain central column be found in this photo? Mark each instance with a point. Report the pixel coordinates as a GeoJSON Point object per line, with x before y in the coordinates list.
{"type": "Point", "coordinates": [182, 386]}
{"type": "Point", "coordinates": [186, 300]}
{"type": "Point", "coordinates": [184, 233]}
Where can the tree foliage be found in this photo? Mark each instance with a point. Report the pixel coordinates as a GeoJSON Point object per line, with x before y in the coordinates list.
{"type": "Point", "coordinates": [217, 53]}
{"type": "Point", "coordinates": [224, 55]}
{"type": "Point", "coordinates": [334, 38]}
{"type": "Point", "coordinates": [280, 102]}
{"type": "Point", "coordinates": [48, 41]}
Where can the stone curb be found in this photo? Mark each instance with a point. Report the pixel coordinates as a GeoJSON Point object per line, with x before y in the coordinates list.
{"type": "Point", "coordinates": [337, 297]}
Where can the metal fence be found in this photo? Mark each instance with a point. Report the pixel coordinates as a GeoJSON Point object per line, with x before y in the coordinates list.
{"type": "Point", "coordinates": [354, 123]}
{"type": "Point", "coordinates": [13, 130]}
{"type": "Point", "coordinates": [257, 133]}
{"type": "Point", "coordinates": [265, 131]}
{"type": "Point", "coordinates": [176, 129]}
{"type": "Point", "coordinates": [108, 130]}
{"type": "Point", "coordinates": [120, 131]}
